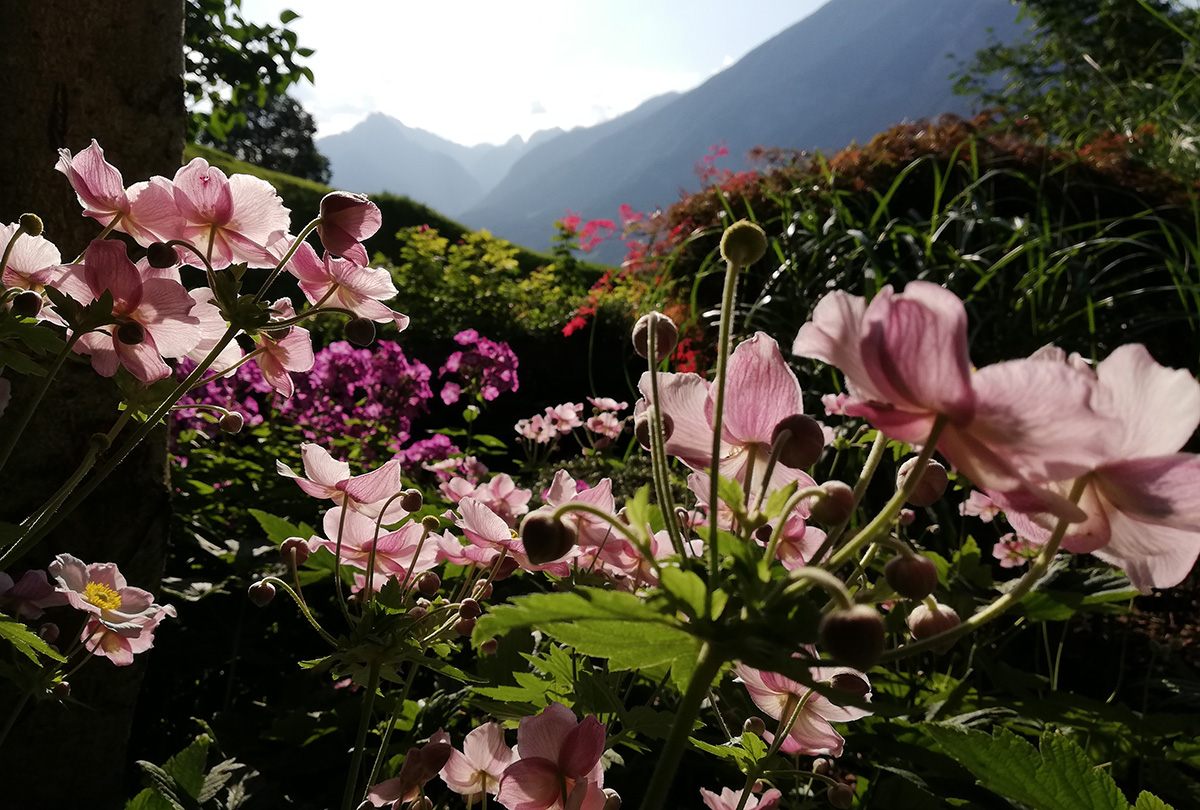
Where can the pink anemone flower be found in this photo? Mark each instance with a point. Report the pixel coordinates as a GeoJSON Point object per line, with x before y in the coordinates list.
{"type": "Point", "coordinates": [812, 733]}
{"type": "Point", "coordinates": [478, 768]}
{"type": "Point", "coordinates": [27, 597]}
{"type": "Point", "coordinates": [326, 477]}
{"type": "Point", "coordinates": [159, 306]}
{"type": "Point", "coordinates": [420, 765]}
{"type": "Point", "coordinates": [146, 211]}
{"type": "Point", "coordinates": [346, 220]}
{"type": "Point", "coordinates": [346, 283]}
{"type": "Point", "coordinates": [100, 590]}
{"type": "Point", "coordinates": [484, 528]}
{"type": "Point", "coordinates": [732, 799]}
{"type": "Point", "coordinates": [119, 647]}
{"type": "Point", "coordinates": [558, 765]}
{"type": "Point", "coordinates": [1142, 500]}
{"type": "Point", "coordinates": [399, 554]}
{"type": "Point", "coordinates": [284, 352]}
{"type": "Point", "coordinates": [33, 264]}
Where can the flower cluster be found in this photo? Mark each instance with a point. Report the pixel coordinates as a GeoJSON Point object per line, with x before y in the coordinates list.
{"type": "Point", "coordinates": [486, 369]}
{"type": "Point", "coordinates": [603, 425]}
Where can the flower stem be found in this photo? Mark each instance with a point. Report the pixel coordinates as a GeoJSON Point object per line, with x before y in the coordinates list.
{"type": "Point", "coordinates": [707, 666]}
{"type": "Point", "coordinates": [728, 298]}
{"type": "Point", "coordinates": [364, 725]}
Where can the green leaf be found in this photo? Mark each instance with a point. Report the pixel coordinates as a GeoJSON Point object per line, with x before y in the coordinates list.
{"type": "Point", "coordinates": [637, 508]}
{"type": "Point", "coordinates": [606, 624]}
{"type": "Point", "coordinates": [1148, 801]}
{"type": "Point", "coordinates": [187, 767]}
{"type": "Point", "coordinates": [778, 499]}
{"type": "Point", "coordinates": [277, 528]}
{"type": "Point", "coordinates": [28, 643]}
{"type": "Point", "coordinates": [1058, 777]}
{"type": "Point", "coordinates": [732, 494]}
{"type": "Point", "coordinates": [285, 17]}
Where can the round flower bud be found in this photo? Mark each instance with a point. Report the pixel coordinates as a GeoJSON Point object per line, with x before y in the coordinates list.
{"type": "Point", "coordinates": [911, 575]}
{"type": "Point", "coordinates": [294, 551]}
{"type": "Point", "coordinates": [805, 443]}
{"type": "Point", "coordinates": [489, 647]}
{"type": "Point", "coordinates": [131, 333]}
{"type": "Point", "coordinates": [755, 726]}
{"type": "Point", "coordinates": [835, 505]}
{"type": "Point", "coordinates": [418, 612]}
{"type": "Point", "coordinates": [666, 335]}
{"type": "Point", "coordinates": [851, 684]}
{"type": "Point", "coordinates": [822, 766]}
{"type": "Point", "coordinates": [30, 224]}
{"type": "Point", "coordinates": [232, 422]}
{"type": "Point", "coordinates": [469, 609]}
{"type": "Point", "coordinates": [429, 583]}
{"type": "Point", "coordinates": [261, 593]}
{"type": "Point", "coordinates": [642, 426]}
{"type": "Point", "coordinates": [853, 636]}
{"type": "Point", "coordinates": [611, 800]}
{"type": "Point", "coordinates": [430, 523]}
{"type": "Point", "coordinates": [360, 332]}
{"type": "Point", "coordinates": [931, 486]}
{"type": "Point", "coordinates": [161, 255]}
{"type": "Point", "coordinates": [925, 622]}
{"type": "Point", "coordinates": [841, 796]}
{"type": "Point", "coordinates": [464, 627]}
{"type": "Point", "coordinates": [906, 517]}
{"type": "Point", "coordinates": [48, 632]}
{"type": "Point", "coordinates": [546, 538]}
{"type": "Point", "coordinates": [743, 243]}
{"type": "Point", "coordinates": [62, 690]}
{"type": "Point", "coordinates": [482, 589]}
{"type": "Point", "coordinates": [411, 500]}
{"type": "Point", "coordinates": [27, 304]}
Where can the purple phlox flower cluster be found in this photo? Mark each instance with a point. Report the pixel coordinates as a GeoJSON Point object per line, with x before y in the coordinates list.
{"type": "Point", "coordinates": [468, 467]}
{"type": "Point", "coordinates": [437, 447]}
{"type": "Point", "coordinates": [486, 366]}
{"type": "Point", "coordinates": [356, 392]}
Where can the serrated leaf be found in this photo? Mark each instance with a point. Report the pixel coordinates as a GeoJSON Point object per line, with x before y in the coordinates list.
{"type": "Point", "coordinates": [148, 799]}
{"type": "Point", "coordinates": [685, 586]}
{"type": "Point", "coordinates": [637, 508]}
{"type": "Point", "coordinates": [754, 745]}
{"type": "Point", "coordinates": [1058, 777]}
{"type": "Point", "coordinates": [187, 767]}
{"type": "Point", "coordinates": [1148, 801]}
{"type": "Point", "coordinates": [20, 363]}
{"type": "Point", "coordinates": [28, 643]}
{"type": "Point", "coordinates": [777, 500]}
{"type": "Point", "coordinates": [276, 528]}
{"type": "Point", "coordinates": [727, 751]}
{"type": "Point", "coordinates": [732, 494]}
{"type": "Point", "coordinates": [166, 787]}
{"type": "Point", "coordinates": [217, 778]}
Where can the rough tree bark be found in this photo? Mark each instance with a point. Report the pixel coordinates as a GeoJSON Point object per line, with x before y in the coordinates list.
{"type": "Point", "coordinates": [76, 71]}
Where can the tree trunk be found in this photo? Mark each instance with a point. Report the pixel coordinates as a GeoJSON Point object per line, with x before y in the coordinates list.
{"type": "Point", "coordinates": [73, 72]}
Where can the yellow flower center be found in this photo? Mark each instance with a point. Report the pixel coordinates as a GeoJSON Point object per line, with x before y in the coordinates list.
{"type": "Point", "coordinates": [102, 596]}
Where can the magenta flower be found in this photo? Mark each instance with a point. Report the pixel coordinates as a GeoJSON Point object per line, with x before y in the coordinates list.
{"type": "Point", "coordinates": [326, 477]}
{"type": "Point", "coordinates": [559, 763]}
{"type": "Point", "coordinates": [732, 799]}
{"type": "Point", "coordinates": [591, 530]}
{"type": "Point", "coordinates": [229, 219]}
{"type": "Point", "coordinates": [1142, 501]}
{"type": "Point", "coordinates": [147, 210]}
{"type": "Point", "coordinates": [346, 220]}
{"type": "Point", "coordinates": [27, 597]}
{"type": "Point", "coordinates": [812, 732]}
{"type": "Point", "coordinates": [160, 307]}
{"type": "Point", "coordinates": [118, 646]}
{"type": "Point", "coordinates": [100, 590]}
{"type": "Point", "coordinates": [346, 283]}
{"type": "Point", "coordinates": [761, 391]}
{"type": "Point", "coordinates": [282, 353]}
{"type": "Point", "coordinates": [396, 553]}
{"type": "Point", "coordinates": [480, 765]}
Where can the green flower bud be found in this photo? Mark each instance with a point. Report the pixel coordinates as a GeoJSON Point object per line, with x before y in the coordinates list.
{"type": "Point", "coordinates": [743, 243]}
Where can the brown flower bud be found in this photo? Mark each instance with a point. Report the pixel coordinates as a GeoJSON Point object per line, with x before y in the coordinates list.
{"type": "Point", "coordinates": [27, 304]}
{"type": "Point", "coordinates": [851, 684]}
{"type": "Point", "coordinates": [482, 589]}
{"type": "Point", "coordinates": [469, 609]}
{"type": "Point", "coordinates": [931, 486]}
{"type": "Point", "coordinates": [743, 243]}
{"type": "Point", "coordinates": [232, 422]}
{"type": "Point", "coordinates": [925, 622]}
{"type": "Point", "coordinates": [611, 800]}
{"type": "Point", "coordinates": [755, 726]}
{"type": "Point", "coordinates": [853, 636]}
{"type": "Point", "coordinates": [841, 796]}
{"type": "Point", "coordinates": [546, 538]}
{"type": "Point", "coordinates": [411, 501]}
{"type": "Point", "coordinates": [48, 632]}
{"type": "Point", "coordinates": [30, 224]}
{"type": "Point", "coordinates": [131, 333]}
{"type": "Point", "coordinates": [489, 647]}
{"type": "Point", "coordinates": [429, 583]}
{"type": "Point", "coordinates": [464, 627]}
{"type": "Point", "coordinates": [430, 523]}
{"type": "Point", "coordinates": [666, 335]}
{"type": "Point", "coordinates": [261, 593]}
{"type": "Point", "coordinates": [360, 332]}
{"type": "Point", "coordinates": [805, 443]}
{"type": "Point", "coordinates": [295, 551]}
{"type": "Point", "coordinates": [642, 426]}
{"type": "Point", "coordinates": [911, 576]}
{"type": "Point", "coordinates": [835, 505]}
{"type": "Point", "coordinates": [161, 255]}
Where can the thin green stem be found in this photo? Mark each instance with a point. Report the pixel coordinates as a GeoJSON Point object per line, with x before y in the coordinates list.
{"type": "Point", "coordinates": [658, 452]}
{"type": "Point", "coordinates": [874, 457]}
{"type": "Point", "coordinates": [300, 603]}
{"type": "Point", "coordinates": [728, 299]}
{"type": "Point", "coordinates": [391, 726]}
{"type": "Point", "coordinates": [707, 666]}
{"type": "Point", "coordinates": [309, 228]}
{"type": "Point", "coordinates": [12, 718]}
{"type": "Point", "coordinates": [4, 263]}
{"type": "Point", "coordinates": [360, 742]}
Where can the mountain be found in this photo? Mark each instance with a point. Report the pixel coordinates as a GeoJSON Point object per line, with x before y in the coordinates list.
{"type": "Point", "coordinates": [382, 154]}
{"type": "Point", "coordinates": [844, 73]}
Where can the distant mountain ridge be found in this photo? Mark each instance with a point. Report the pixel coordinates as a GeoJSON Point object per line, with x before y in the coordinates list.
{"type": "Point", "coordinates": [846, 72]}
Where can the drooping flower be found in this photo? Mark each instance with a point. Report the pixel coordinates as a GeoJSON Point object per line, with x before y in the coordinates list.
{"type": "Point", "coordinates": [27, 597]}
{"type": "Point", "coordinates": [477, 769]}
{"type": "Point", "coordinates": [346, 283]}
{"type": "Point", "coordinates": [811, 733]}
{"type": "Point", "coordinates": [158, 307]}
{"type": "Point", "coordinates": [279, 354]}
{"type": "Point", "coordinates": [100, 590]}
{"type": "Point", "coordinates": [420, 765]}
{"type": "Point", "coordinates": [326, 477]}
{"type": "Point", "coordinates": [1142, 498]}
{"type": "Point", "coordinates": [559, 763]}
{"type": "Point", "coordinates": [731, 799]}
{"type": "Point", "coordinates": [118, 646]}
{"type": "Point", "coordinates": [33, 264]}
{"type": "Point", "coordinates": [346, 220]}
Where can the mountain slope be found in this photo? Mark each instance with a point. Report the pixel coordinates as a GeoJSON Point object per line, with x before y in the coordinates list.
{"type": "Point", "coordinates": [846, 72]}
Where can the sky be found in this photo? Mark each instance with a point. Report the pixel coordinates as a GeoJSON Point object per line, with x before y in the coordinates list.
{"type": "Point", "coordinates": [481, 71]}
